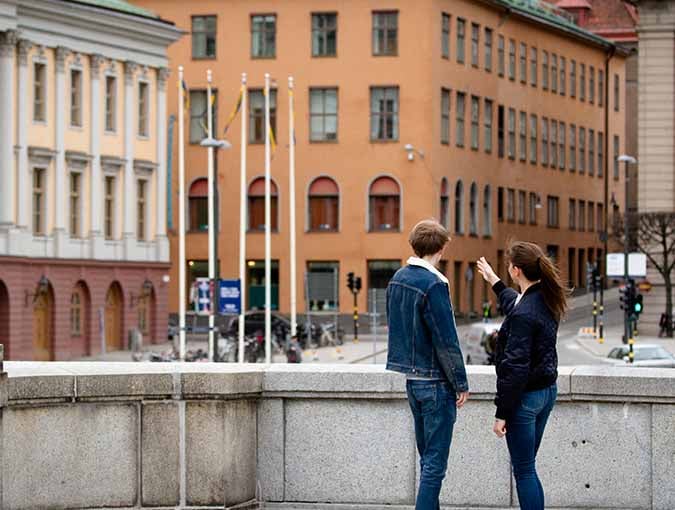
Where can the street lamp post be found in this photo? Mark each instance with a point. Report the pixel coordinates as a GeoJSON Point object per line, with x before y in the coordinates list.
{"type": "Point", "coordinates": [628, 160]}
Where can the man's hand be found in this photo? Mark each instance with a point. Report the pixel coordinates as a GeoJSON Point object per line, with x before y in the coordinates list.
{"type": "Point", "coordinates": [500, 428]}
{"type": "Point", "coordinates": [462, 398]}
{"type": "Point", "coordinates": [486, 271]}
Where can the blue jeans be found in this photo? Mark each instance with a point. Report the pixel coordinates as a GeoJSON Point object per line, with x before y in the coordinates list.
{"type": "Point", "coordinates": [524, 431]}
{"type": "Point", "coordinates": [434, 409]}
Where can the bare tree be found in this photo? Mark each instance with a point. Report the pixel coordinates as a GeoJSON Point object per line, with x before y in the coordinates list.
{"type": "Point", "coordinates": [655, 232]}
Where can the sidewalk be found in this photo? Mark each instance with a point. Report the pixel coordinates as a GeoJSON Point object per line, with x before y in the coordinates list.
{"type": "Point", "coordinates": [613, 339]}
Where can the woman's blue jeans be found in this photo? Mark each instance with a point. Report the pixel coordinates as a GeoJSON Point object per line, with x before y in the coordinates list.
{"type": "Point", "coordinates": [434, 409]}
{"type": "Point", "coordinates": [524, 431]}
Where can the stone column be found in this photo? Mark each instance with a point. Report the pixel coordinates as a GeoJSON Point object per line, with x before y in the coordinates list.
{"type": "Point", "coordinates": [7, 171]}
{"type": "Point", "coordinates": [23, 180]}
{"type": "Point", "coordinates": [96, 184]}
{"type": "Point", "coordinates": [160, 237]}
{"type": "Point", "coordinates": [60, 177]}
{"type": "Point", "coordinates": [128, 227]}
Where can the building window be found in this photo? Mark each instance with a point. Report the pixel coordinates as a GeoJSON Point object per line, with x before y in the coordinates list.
{"type": "Point", "coordinates": [501, 131]}
{"type": "Point", "coordinates": [323, 114]}
{"type": "Point", "coordinates": [488, 50]}
{"type": "Point", "coordinates": [76, 312]}
{"type": "Point", "coordinates": [143, 107]}
{"type": "Point", "coordinates": [385, 205]}
{"type": "Point", "coordinates": [444, 203]}
{"type": "Point", "coordinates": [591, 84]}
{"type": "Point", "coordinates": [459, 208]}
{"type": "Point", "coordinates": [110, 103]}
{"type": "Point", "coordinates": [323, 286]}
{"type": "Point", "coordinates": [616, 158]}
{"type": "Point", "coordinates": [445, 116]}
{"type": "Point", "coordinates": [554, 144]}
{"type": "Point", "coordinates": [511, 205]}
{"type": "Point", "coordinates": [109, 207]}
{"type": "Point", "coordinates": [199, 113]}
{"type": "Point", "coordinates": [256, 206]}
{"type": "Point", "coordinates": [591, 152]}
{"type": "Point", "coordinates": [512, 59]}
{"type": "Point", "coordinates": [544, 70]}
{"type": "Point", "coordinates": [601, 87]}
{"type": "Point", "coordinates": [141, 210]}
{"type": "Point", "coordinates": [582, 215]}
{"type": "Point", "coordinates": [324, 200]}
{"type": "Point", "coordinates": [523, 63]}
{"type": "Point", "coordinates": [544, 141]}
{"type": "Point", "coordinates": [473, 209]}
{"type": "Point", "coordinates": [573, 78]}
{"type": "Point", "coordinates": [445, 35]}
{"type": "Point", "coordinates": [475, 43]}
{"type": "Point", "coordinates": [204, 37]}
{"type": "Point", "coordinates": [512, 134]}
{"type": "Point", "coordinates": [522, 128]}
{"type": "Point", "coordinates": [522, 197]}
{"type": "Point", "coordinates": [475, 121]}
{"type": "Point", "coordinates": [487, 211]}
{"type": "Point", "coordinates": [601, 218]}
{"type": "Point", "coordinates": [75, 181]}
{"type": "Point", "coordinates": [554, 73]}
{"type": "Point", "coordinates": [563, 76]}
{"type": "Point", "coordinates": [534, 203]}
{"type": "Point", "coordinates": [533, 67]}
{"type": "Point", "coordinates": [552, 220]}
{"type": "Point", "coordinates": [562, 131]}
{"type": "Point", "coordinates": [38, 201]}
{"type": "Point", "coordinates": [461, 36]}
{"type": "Point", "coordinates": [601, 154]}
{"type": "Point", "coordinates": [256, 115]}
{"type": "Point", "coordinates": [459, 129]}
{"type": "Point", "coordinates": [582, 82]}
{"type": "Point", "coordinates": [500, 204]}
{"type": "Point", "coordinates": [616, 93]}
{"type": "Point", "coordinates": [198, 204]}
{"type": "Point", "coordinates": [487, 116]}
{"type": "Point", "coordinates": [500, 55]}
{"type": "Point", "coordinates": [263, 36]}
{"type": "Point", "coordinates": [582, 150]}
{"type": "Point", "coordinates": [591, 216]}
{"type": "Point", "coordinates": [324, 34]}
{"type": "Point", "coordinates": [573, 147]}
{"type": "Point", "coordinates": [384, 113]}
{"type": "Point", "coordinates": [533, 139]}
{"type": "Point", "coordinates": [76, 98]}
{"type": "Point", "coordinates": [385, 33]}
{"type": "Point", "coordinates": [572, 215]}
{"type": "Point", "coordinates": [39, 92]}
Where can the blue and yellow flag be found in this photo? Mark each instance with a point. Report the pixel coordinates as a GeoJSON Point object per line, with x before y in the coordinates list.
{"type": "Point", "coordinates": [234, 113]}
{"type": "Point", "coordinates": [186, 94]}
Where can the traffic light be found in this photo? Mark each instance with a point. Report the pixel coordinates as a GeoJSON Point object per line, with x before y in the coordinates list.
{"type": "Point", "coordinates": [624, 297]}
{"type": "Point", "coordinates": [637, 305]}
{"type": "Point", "coordinates": [357, 284]}
{"type": "Point", "coordinates": [350, 281]}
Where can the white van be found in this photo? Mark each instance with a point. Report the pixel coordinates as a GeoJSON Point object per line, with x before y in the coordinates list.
{"type": "Point", "coordinates": [477, 344]}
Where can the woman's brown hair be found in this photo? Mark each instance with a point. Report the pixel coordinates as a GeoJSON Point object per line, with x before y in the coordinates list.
{"type": "Point", "coordinates": [536, 265]}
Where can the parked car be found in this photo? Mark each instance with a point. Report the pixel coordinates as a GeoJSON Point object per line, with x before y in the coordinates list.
{"type": "Point", "coordinates": [254, 321]}
{"type": "Point", "coordinates": [479, 343]}
{"type": "Point", "coordinates": [646, 355]}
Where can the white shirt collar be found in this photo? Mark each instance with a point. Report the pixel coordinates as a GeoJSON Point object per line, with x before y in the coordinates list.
{"type": "Point", "coordinates": [416, 261]}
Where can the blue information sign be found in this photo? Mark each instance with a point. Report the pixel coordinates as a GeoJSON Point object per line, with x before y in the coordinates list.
{"type": "Point", "coordinates": [229, 294]}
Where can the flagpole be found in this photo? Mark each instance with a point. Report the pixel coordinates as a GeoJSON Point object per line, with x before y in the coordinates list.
{"type": "Point", "coordinates": [181, 217]}
{"type": "Point", "coordinates": [291, 185]}
{"type": "Point", "coordinates": [211, 219]}
{"type": "Point", "coordinates": [242, 219]}
{"type": "Point", "coordinates": [268, 226]}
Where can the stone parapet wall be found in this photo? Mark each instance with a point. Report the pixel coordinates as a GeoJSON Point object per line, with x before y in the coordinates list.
{"type": "Point", "coordinates": [125, 435]}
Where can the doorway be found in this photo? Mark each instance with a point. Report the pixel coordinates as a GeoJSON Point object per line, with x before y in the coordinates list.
{"type": "Point", "coordinates": [113, 317]}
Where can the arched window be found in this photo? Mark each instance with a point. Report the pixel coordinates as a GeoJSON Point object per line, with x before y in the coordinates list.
{"type": "Point", "coordinates": [198, 205]}
{"type": "Point", "coordinates": [487, 211]}
{"type": "Point", "coordinates": [256, 205]}
{"type": "Point", "coordinates": [473, 209]}
{"type": "Point", "coordinates": [324, 199]}
{"type": "Point", "coordinates": [444, 210]}
{"type": "Point", "coordinates": [76, 312]}
{"type": "Point", "coordinates": [459, 208]}
{"type": "Point", "coordinates": [385, 205]}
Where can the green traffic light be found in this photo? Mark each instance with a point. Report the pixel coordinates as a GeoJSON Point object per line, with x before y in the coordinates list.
{"type": "Point", "coordinates": [638, 307]}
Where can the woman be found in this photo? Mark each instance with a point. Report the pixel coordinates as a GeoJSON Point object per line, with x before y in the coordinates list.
{"type": "Point", "coordinates": [526, 361]}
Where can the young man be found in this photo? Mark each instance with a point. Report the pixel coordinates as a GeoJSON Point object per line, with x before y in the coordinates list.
{"type": "Point", "coordinates": [423, 344]}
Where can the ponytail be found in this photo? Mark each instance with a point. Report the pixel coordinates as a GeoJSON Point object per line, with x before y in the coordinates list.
{"type": "Point", "coordinates": [535, 265]}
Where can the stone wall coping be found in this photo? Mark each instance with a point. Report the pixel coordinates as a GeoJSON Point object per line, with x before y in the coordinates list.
{"type": "Point", "coordinates": [70, 381]}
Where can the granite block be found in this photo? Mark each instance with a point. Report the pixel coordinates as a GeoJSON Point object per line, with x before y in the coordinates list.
{"type": "Point", "coordinates": [221, 383]}
{"type": "Point", "coordinates": [124, 385]}
{"type": "Point", "coordinates": [271, 448]}
{"type": "Point", "coordinates": [57, 387]}
{"type": "Point", "coordinates": [160, 459]}
{"type": "Point", "coordinates": [71, 456]}
{"type": "Point", "coordinates": [663, 457]}
{"type": "Point", "coordinates": [624, 382]}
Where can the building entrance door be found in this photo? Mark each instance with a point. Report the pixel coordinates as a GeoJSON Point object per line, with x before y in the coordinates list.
{"type": "Point", "coordinates": [43, 310]}
{"type": "Point", "coordinates": [113, 318]}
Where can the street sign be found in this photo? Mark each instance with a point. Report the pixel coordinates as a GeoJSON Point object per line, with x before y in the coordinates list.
{"type": "Point", "coordinates": [645, 286]}
{"type": "Point", "coordinates": [229, 292]}
{"type": "Point", "coordinates": [637, 265]}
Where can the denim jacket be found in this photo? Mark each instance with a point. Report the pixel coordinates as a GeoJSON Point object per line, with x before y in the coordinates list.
{"type": "Point", "coordinates": [422, 333]}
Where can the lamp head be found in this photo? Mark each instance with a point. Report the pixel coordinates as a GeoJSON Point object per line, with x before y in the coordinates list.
{"type": "Point", "coordinates": [216, 144]}
{"type": "Point", "coordinates": [625, 158]}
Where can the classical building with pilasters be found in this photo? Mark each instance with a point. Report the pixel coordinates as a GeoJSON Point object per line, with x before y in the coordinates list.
{"type": "Point", "coordinates": [84, 251]}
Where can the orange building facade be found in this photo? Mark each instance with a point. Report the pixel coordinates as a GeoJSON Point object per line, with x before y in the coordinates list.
{"type": "Point", "coordinates": [487, 118]}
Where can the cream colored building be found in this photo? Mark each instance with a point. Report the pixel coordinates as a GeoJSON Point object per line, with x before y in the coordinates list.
{"type": "Point", "coordinates": [82, 174]}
